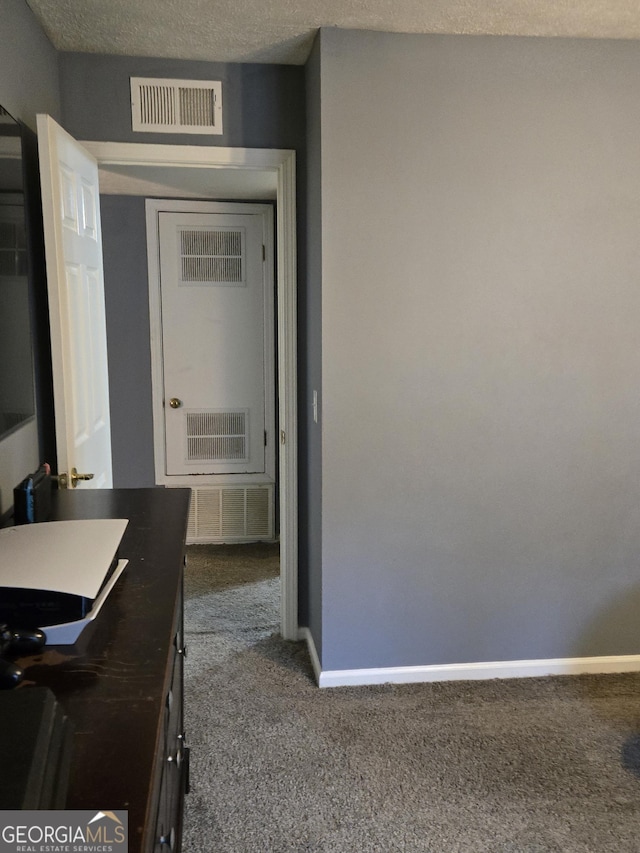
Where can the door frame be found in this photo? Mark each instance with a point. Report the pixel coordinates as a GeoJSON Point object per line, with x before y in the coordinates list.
{"type": "Point", "coordinates": [154, 206]}
{"type": "Point", "coordinates": [281, 163]}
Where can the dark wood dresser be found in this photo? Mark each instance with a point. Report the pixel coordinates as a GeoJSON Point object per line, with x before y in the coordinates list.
{"type": "Point", "coordinates": [121, 684]}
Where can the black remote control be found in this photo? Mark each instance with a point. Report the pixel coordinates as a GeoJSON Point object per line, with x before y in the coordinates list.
{"type": "Point", "coordinates": [10, 674]}
{"type": "Point", "coordinates": [24, 642]}
{"type": "Point", "coordinates": [15, 642]}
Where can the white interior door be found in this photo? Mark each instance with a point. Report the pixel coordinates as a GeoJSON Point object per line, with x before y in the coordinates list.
{"type": "Point", "coordinates": [212, 284]}
{"type": "Point", "coordinates": [73, 248]}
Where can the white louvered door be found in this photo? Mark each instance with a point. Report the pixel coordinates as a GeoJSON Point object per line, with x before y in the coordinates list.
{"type": "Point", "coordinates": [213, 341]}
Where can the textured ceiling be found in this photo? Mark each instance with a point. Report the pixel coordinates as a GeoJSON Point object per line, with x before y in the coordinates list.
{"type": "Point", "coordinates": [281, 31]}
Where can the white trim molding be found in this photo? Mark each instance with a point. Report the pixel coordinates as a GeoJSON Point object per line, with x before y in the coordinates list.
{"type": "Point", "coordinates": [281, 165]}
{"type": "Point", "coordinates": [210, 157]}
{"type": "Point", "coordinates": [467, 671]}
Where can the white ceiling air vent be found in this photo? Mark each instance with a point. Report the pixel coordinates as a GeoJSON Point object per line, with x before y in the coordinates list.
{"type": "Point", "coordinates": [176, 106]}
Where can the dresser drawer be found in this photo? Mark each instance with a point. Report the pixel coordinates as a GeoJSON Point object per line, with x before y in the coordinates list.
{"type": "Point", "coordinates": [175, 757]}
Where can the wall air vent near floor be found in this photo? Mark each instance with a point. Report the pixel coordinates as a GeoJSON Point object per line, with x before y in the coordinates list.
{"type": "Point", "coordinates": [231, 514]}
{"type": "Point", "coordinates": [176, 106]}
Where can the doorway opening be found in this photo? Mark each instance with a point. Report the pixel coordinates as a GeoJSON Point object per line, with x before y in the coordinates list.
{"type": "Point", "coordinates": [236, 174]}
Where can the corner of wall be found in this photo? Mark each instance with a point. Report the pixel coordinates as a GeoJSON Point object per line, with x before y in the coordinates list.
{"type": "Point", "coordinates": [29, 65]}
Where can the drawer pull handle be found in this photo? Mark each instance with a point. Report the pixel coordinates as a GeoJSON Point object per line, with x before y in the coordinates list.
{"type": "Point", "coordinates": [175, 759]}
{"type": "Point", "coordinates": [178, 642]}
{"type": "Point", "coordinates": [168, 840]}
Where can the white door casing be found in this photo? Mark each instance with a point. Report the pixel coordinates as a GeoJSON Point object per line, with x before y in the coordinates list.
{"type": "Point", "coordinates": [73, 251]}
{"type": "Point", "coordinates": [217, 339]}
{"type": "Point", "coordinates": [281, 164]}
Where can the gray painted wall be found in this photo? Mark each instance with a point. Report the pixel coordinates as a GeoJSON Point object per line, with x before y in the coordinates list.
{"type": "Point", "coordinates": [263, 105]}
{"type": "Point", "coordinates": [29, 80]}
{"type": "Point", "coordinates": [28, 84]}
{"type": "Point", "coordinates": [127, 314]}
{"type": "Point", "coordinates": [480, 365]}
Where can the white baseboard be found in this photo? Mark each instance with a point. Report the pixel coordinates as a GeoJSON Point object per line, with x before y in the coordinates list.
{"type": "Point", "coordinates": [466, 671]}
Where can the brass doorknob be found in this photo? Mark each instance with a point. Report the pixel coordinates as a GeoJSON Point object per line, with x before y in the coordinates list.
{"type": "Point", "coordinates": [175, 403]}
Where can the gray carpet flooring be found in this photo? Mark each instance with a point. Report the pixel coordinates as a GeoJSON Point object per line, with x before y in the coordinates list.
{"type": "Point", "coordinates": [279, 766]}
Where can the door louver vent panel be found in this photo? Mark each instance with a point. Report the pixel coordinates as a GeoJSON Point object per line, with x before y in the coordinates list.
{"type": "Point", "coordinates": [231, 514]}
{"type": "Point", "coordinates": [217, 436]}
{"type": "Point", "coordinates": [161, 105]}
{"type": "Point", "coordinates": [212, 256]}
